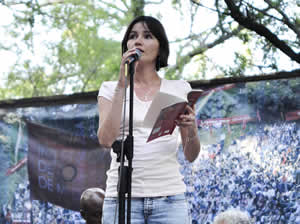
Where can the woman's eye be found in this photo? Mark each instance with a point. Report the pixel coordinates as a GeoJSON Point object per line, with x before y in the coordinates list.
{"type": "Point", "coordinates": [131, 36]}
{"type": "Point", "coordinates": [148, 36]}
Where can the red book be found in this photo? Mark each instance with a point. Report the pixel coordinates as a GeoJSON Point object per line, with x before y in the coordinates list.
{"type": "Point", "coordinates": [164, 110]}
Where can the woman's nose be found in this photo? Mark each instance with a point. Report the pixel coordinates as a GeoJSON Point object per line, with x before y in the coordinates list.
{"type": "Point", "coordinates": [138, 40]}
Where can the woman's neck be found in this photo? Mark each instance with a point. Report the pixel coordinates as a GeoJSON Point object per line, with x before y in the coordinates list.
{"type": "Point", "coordinates": [146, 76]}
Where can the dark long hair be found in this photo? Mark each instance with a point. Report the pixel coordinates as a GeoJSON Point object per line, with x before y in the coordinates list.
{"type": "Point", "coordinates": [157, 29]}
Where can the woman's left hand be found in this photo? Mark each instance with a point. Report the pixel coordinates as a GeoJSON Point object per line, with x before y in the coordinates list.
{"type": "Point", "coordinates": [188, 119]}
{"type": "Point", "coordinates": [189, 133]}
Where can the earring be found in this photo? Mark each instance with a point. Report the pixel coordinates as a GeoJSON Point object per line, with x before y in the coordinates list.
{"type": "Point", "coordinates": [157, 63]}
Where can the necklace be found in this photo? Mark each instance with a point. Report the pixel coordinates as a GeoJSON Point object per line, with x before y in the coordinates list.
{"type": "Point", "coordinates": [146, 93]}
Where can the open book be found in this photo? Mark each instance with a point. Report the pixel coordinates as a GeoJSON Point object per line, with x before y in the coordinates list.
{"type": "Point", "coordinates": [164, 110]}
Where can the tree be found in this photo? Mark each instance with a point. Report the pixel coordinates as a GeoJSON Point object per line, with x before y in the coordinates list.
{"type": "Point", "coordinates": [270, 25]}
{"type": "Point", "coordinates": [85, 47]}
{"type": "Point", "coordinates": [79, 58]}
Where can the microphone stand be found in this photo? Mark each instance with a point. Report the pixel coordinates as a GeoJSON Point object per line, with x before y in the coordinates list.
{"type": "Point", "coordinates": [122, 149]}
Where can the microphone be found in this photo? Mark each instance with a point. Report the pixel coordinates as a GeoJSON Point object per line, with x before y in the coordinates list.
{"type": "Point", "coordinates": [134, 57]}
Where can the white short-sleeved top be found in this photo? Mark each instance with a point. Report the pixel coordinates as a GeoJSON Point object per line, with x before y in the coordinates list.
{"type": "Point", "coordinates": [155, 166]}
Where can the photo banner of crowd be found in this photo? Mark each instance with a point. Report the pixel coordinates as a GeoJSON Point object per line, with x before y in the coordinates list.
{"type": "Point", "coordinates": [249, 159]}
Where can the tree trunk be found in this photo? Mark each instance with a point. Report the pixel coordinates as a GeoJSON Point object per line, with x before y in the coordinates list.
{"type": "Point", "coordinates": [138, 7]}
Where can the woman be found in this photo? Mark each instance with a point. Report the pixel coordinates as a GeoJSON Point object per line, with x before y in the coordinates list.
{"type": "Point", "coordinates": [157, 185]}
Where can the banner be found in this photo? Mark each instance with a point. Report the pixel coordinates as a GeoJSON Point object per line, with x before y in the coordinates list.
{"type": "Point", "coordinates": [61, 166]}
{"type": "Point", "coordinates": [249, 158]}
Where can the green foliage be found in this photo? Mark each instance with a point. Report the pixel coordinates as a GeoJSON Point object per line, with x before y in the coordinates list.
{"type": "Point", "coordinates": [244, 36]}
{"type": "Point", "coordinates": [9, 156]}
{"type": "Point", "coordinates": [83, 47]}
{"type": "Point", "coordinates": [274, 96]}
{"type": "Point", "coordinates": [27, 82]}
{"type": "Point", "coordinates": [79, 58]}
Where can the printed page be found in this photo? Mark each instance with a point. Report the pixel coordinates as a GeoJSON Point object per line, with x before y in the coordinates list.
{"type": "Point", "coordinates": [165, 123]}
{"type": "Point", "coordinates": [161, 100]}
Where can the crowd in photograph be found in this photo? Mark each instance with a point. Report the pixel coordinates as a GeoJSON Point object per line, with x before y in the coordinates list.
{"type": "Point", "coordinates": [25, 211]}
{"type": "Point", "coordinates": [258, 173]}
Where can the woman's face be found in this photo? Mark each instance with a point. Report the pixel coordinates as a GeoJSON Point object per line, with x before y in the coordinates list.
{"type": "Point", "coordinates": [141, 38]}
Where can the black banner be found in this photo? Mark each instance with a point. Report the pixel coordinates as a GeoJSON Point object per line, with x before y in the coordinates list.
{"type": "Point", "coordinates": [62, 166]}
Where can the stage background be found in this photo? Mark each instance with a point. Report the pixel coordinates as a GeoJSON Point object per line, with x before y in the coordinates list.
{"type": "Point", "coordinates": [249, 155]}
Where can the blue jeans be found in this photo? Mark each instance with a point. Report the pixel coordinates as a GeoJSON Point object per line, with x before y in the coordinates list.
{"type": "Point", "coordinates": [154, 210]}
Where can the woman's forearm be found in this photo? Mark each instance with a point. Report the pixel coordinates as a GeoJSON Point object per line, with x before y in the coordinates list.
{"type": "Point", "coordinates": [191, 143]}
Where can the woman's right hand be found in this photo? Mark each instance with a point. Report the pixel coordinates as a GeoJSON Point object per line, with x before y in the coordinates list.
{"type": "Point", "coordinates": [125, 57]}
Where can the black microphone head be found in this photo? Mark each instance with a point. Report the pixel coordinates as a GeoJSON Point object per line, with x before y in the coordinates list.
{"type": "Point", "coordinates": [134, 57]}
{"type": "Point", "coordinates": [138, 53]}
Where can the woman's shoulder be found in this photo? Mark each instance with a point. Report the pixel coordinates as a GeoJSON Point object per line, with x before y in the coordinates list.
{"type": "Point", "coordinates": [109, 84]}
{"type": "Point", "coordinates": [107, 87]}
{"type": "Point", "coordinates": [177, 85]}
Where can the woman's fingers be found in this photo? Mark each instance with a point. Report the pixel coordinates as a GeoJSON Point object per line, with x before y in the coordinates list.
{"type": "Point", "coordinates": [186, 119]}
{"type": "Point", "coordinates": [128, 54]}
{"type": "Point", "coordinates": [123, 72]}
